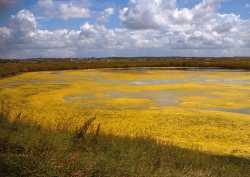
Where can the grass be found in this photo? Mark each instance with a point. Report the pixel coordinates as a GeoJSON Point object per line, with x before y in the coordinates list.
{"type": "Point", "coordinates": [29, 150]}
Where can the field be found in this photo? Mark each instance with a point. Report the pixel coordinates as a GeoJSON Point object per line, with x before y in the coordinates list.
{"type": "Point", "coordinates": [126, 122]}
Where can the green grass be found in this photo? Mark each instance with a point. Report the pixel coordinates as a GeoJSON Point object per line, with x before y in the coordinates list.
{"type": "Point", "coordinates": [29, 150]}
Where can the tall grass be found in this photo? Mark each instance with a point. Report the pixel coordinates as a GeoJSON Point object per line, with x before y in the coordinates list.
{"type": "Point", "coordinates": [28, 150]}
{"type": "Point", "coordinates": [82, 132]}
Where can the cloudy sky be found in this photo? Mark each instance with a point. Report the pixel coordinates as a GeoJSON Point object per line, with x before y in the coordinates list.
{"type": "Point", "coordinates": [96, 28]}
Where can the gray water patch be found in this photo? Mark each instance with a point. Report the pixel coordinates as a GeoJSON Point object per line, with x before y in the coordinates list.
{"type": "Point", "coordinates": [161, 98]}
{"type": "Point", "coordinates": [198, 80]}
{"type": "Point", "coordinates": [166, 100]}
{"type": "Point", "coordinates": [95, 105]}
{"type": "Point", "coordinates": [144, 69]}
{"type": "Point", "coordinates": [156, 82]}
{"type": "Point", "coordinates": [224, 81]}
{"type": "Point", "coordinates": [129, 69]}
{"type": "Point", "coordinates": [239, 110]}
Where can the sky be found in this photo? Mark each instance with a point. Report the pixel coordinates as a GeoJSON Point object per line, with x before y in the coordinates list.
{"type": "Point", "coordinates": [108, 28]}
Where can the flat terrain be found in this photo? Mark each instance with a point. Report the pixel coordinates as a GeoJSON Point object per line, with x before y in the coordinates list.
{"type": "Point", "coordinates": [139, 121]}
{"type": "Point", "coordinates": [13, 67]}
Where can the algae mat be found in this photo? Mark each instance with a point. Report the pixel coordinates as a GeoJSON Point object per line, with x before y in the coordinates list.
{"type": "Point", "coordinates": [207, 110]}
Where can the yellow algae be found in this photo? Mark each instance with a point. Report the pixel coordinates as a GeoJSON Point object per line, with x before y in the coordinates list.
{"type": "Point", "coordinates": [208, 110]}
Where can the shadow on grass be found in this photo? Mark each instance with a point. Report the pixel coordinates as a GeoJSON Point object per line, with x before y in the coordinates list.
{"type": "Point", "coordinates": [28, 150]}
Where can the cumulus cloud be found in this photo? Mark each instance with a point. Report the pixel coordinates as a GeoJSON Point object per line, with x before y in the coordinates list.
{"type": "Point", "coordinates": [199, 27]}
{"type": "Point", "coordinates": [19, 32]}
{"type": "Point", "coordinates": [150, 27]}
{"type": "Point", "coordinates": [146, 14]}
{"type": "Point", "coordinates": [4, 36]}
{"type": "Point", "coordinates": [67, 11]}
{"type": "Point", "coordinates": [151, 14]}
{"type": "Point", "coordinates": [22, 38]}
{"type": "Point", "coordinates": [105, 14]}
{"type": "Point", "coordinates": [24, 22]}
{"type": "Point", "coordinates": [63, 10]}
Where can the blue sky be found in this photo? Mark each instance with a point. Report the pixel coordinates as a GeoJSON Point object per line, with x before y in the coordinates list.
{"type": "Point", "coordinates": [86, 28]}
{"type": "Point", "coordinates": [238, 7]}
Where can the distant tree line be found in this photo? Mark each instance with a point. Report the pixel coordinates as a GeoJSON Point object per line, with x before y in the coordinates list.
{"type": "Point", "coordinates": [13, 67]}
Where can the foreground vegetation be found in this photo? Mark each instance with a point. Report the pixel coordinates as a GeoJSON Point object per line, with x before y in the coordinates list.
{"type": "Point", "coordinates": [29, 150]}
{"type": "Point", "coordinates": [12, 67]}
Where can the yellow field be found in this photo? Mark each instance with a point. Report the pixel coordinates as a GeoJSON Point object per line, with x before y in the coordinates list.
{"type": "Point", "coordinates": [205, 110]}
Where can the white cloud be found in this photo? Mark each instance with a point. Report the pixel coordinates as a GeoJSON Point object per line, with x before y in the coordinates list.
{"type": "Point", "coordinates": [147, 14]}
{"type": "Point", "coordinates": [67, 11]}
{"type": "Point", "coordinates": [150, 27]}
{"type": "Point", "coordinates": [199, 27]}
{"type": "Point", "coordinates": [23, 22]}
{"type": "Point", "coordinates": [57, 9]}
{"type": "Point", "coordinates": [150, 14]}
{"type": "Point", "coordinates": [109, 11]}
{"type": "Point", "coordinates": [23, 38]}
{"type": "Point", "coordinates": [105, 14]}
{"type": "Point", "coordinates": [4, 36]}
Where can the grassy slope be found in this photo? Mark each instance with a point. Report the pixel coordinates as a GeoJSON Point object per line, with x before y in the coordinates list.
{"type": "Point", "coordinates": [28, 150]}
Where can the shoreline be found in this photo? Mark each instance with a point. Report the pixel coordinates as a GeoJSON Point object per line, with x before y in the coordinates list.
{"type": "Point", "coordinates": [13, 67]}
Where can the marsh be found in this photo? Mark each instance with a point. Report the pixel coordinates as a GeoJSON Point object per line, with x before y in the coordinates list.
{"type": "Point", "coordinates": [191, 108]}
